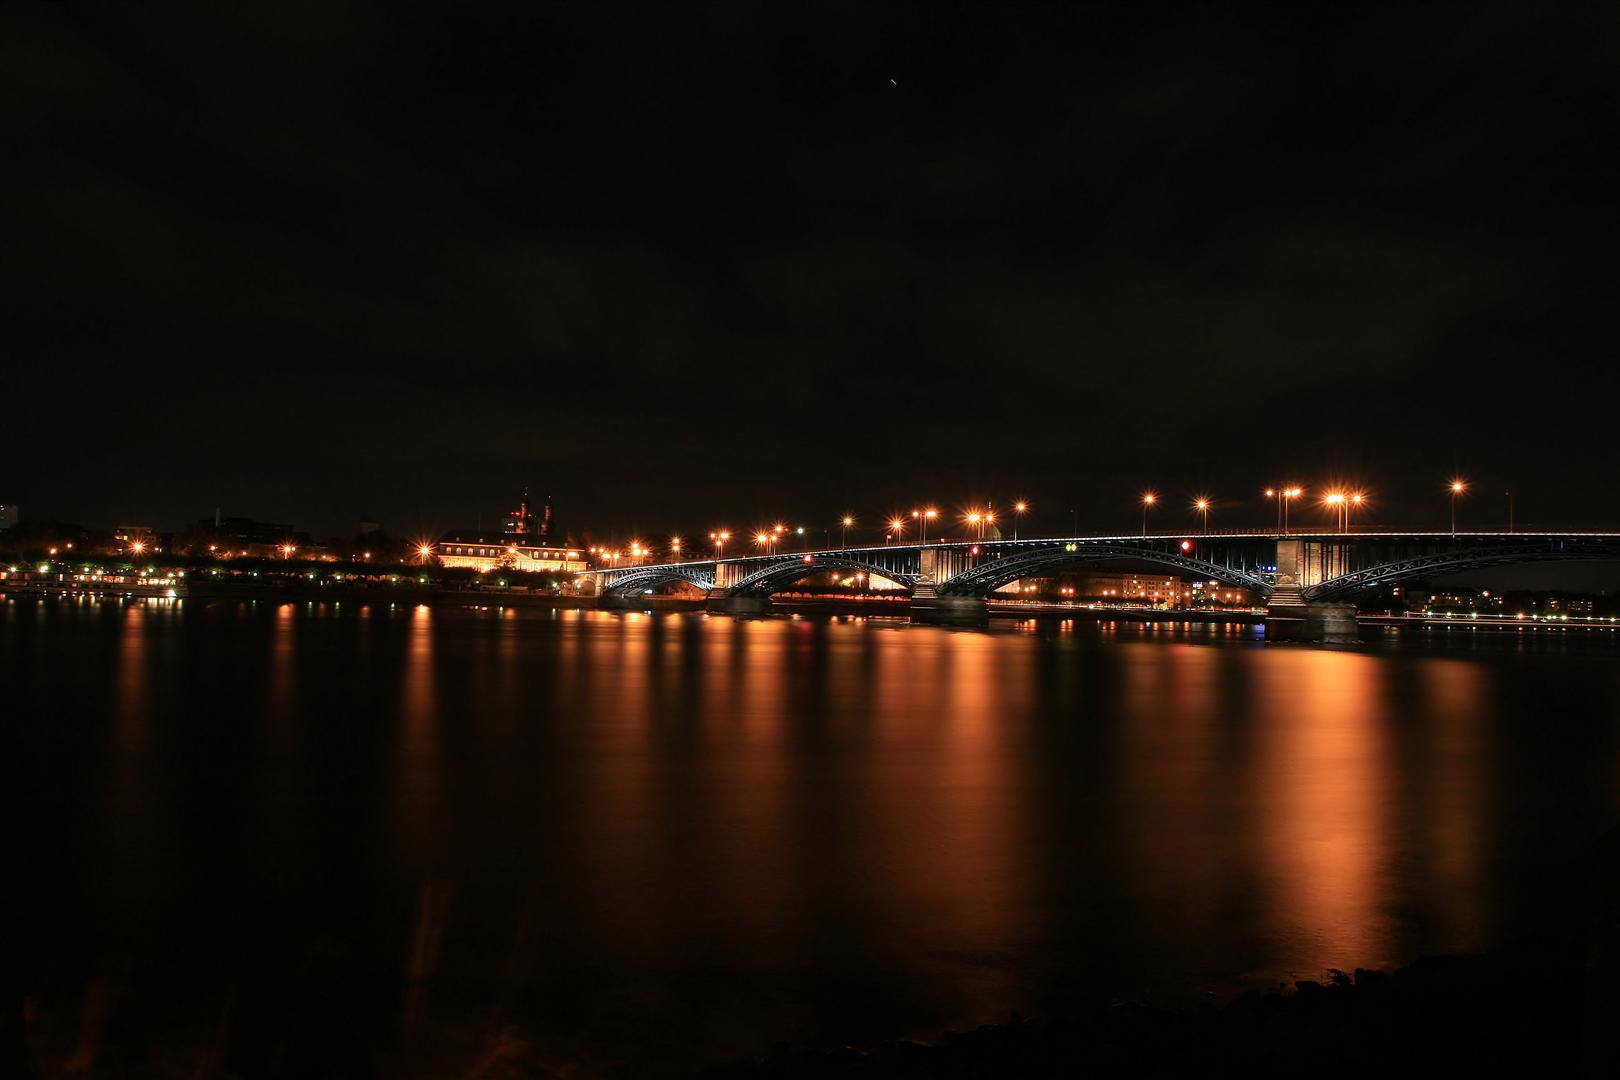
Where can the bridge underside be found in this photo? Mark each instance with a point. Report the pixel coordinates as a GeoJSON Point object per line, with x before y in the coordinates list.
{"type": "Point", "coordinates": [632, 583]}
{"type": "Point", "coordinates": [778, 576]}
{"type": "Point", "coordinates": [990, 575]}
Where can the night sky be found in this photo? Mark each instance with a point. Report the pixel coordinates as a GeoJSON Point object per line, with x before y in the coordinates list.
{"type": "Point", "coordinates": [679, 268]}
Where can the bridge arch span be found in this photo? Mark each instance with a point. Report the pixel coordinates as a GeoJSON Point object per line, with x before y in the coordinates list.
{"type": "Point", "coordinates": [779, 575]}
{"type": "Point", "coordinates": [1459, 560]}
{"type": "Point", "coordinates": [634, 582]}
{"type": "Point", "coordinates": [992, 574]}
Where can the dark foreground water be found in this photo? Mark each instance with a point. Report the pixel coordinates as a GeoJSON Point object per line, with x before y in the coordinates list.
{"type": "Point", "coordinates": [451, 842]}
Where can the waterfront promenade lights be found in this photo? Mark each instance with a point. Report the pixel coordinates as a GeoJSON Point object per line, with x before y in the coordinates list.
{"type": "Point", "coordinates": [1457, 487]}
{"type": "Point", "coordinates": [1149, 500]}
{"type": "Point", "coordinates": [1020, 508]}
{"type": "Point", "coordinates": [843, 529]}
{"type": "Point", "coordinates": [1202, 506]}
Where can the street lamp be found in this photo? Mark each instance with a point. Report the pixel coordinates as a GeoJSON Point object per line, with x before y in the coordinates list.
{"type": "Point", "coordinates": [675, 547]}
{"type": "Point", "coordinates": [843, 529]}
{"type": "Point", "coordinates": [719, 539]}
{"type": "Point", "coordinates": [1335, 501]}
{"type": "Point", "coordinates": [1201, 505]}
{"type": "Point", "coordinates": [1289, 494]}
{"type": "Point", "coordinates": [923, 518]}
{"type": "Point", "coordinates": [1148, 500]}
{"type": "Point", "coordinates": [1282, 495]}
{"type": "Point", "coordinates": [1458, 487]}
{"type": "Point", "coordinates": [1020, 508]}
{"type": "Point", "coordinates": [896, 527]}
{"type": "Point", "coordinates": [974, 520]}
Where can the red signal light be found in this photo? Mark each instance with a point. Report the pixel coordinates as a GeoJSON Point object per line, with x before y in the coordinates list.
{"type": "Point", "coordinates": [808, 559]}
{"type": "Point", "coordinates": [1186, 545]}
{"type": "Point", "coordinates": [974, 550]}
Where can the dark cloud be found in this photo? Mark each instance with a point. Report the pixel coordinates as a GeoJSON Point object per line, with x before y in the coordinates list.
{"type": "Point", "coordinates": [677, 266]}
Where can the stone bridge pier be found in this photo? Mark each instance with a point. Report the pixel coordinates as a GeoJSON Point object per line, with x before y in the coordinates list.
{"type": "Point", "coordinates": [1303, 564]}
{"type": "Point", "coordinates": [725, 599]}
{"type": "Point", "coordinates": [938, 566]}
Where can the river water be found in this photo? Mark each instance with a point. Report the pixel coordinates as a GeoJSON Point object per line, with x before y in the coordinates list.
{"type": "Point", "coordinates": [441, 840]}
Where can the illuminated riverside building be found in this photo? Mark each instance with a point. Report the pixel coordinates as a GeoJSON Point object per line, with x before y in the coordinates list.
{"type": "Point", "coordinates": [505, 551]}
{"type": "Point", "coordinates": [524, 543]}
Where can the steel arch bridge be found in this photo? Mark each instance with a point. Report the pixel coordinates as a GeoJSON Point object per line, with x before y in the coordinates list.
{"type": "Point", "coordinates": [1311, 568]}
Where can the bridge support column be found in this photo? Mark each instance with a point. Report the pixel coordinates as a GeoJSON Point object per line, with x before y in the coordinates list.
{"type": "Point", "coordinates": [1290, 618]}
{"type": "Point", "coordinates": [725, 602]}
{"type": "Point", "coordinates": [938, 565]}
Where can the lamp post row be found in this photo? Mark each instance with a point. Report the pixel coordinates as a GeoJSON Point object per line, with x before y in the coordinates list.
{"type": "Point", "coordinates": [1342, 504]}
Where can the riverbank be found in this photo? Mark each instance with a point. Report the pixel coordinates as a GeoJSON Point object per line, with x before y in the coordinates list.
{"type": "Point", "coordinates": [1548, 1007]}
{"type": "Point", "coordinates": [1527, 1011]}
